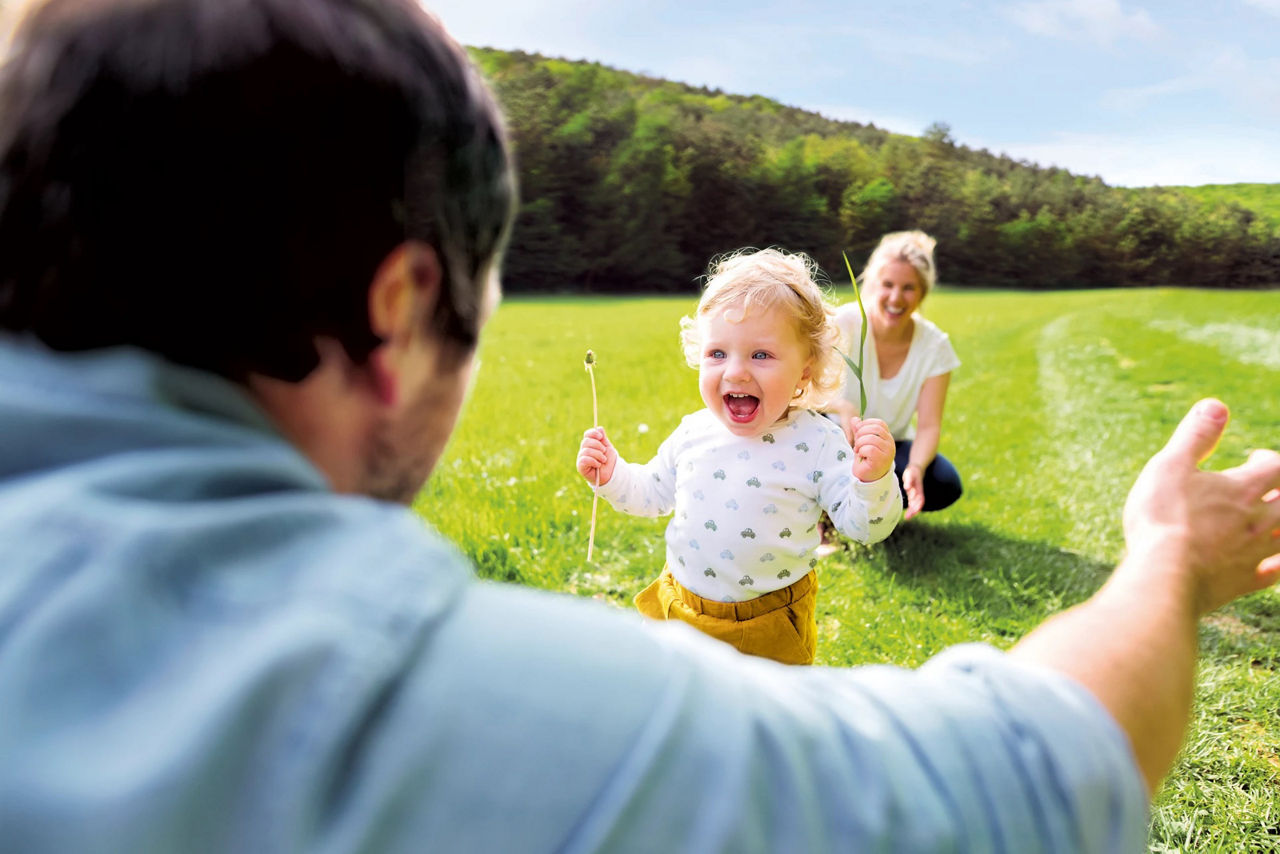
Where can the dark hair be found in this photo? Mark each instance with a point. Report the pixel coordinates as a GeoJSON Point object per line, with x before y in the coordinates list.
{"type": "Point", "coordinates": [218, 180]}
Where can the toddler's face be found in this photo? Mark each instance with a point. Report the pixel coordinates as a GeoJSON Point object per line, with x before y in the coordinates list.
{"type": "Point", "coordinates": [751, 367]}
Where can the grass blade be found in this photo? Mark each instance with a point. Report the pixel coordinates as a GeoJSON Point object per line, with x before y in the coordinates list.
{"type": "Point", "coordinates": [862, 341]}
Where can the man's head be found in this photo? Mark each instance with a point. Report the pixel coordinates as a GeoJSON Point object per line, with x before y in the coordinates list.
{"type": "Point", "coordinates": [310, 197]}
{"type": "Point", "coordinates": [218, 180]}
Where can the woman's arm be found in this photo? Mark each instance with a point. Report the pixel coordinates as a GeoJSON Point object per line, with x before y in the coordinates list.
{"type": "Point", "coordinates": [933, 396]}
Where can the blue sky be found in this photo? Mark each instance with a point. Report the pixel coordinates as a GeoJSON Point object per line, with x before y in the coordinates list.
{"type": "Point", "coordinates": [1139, 93]}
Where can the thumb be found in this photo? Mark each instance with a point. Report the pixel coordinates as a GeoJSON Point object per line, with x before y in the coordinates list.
{"type": "Point", "coordinates": [1199, 431]}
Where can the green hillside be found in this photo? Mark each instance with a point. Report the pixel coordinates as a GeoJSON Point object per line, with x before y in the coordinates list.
{"type": "Point", "coordinates": [631, 183]}
{"type": "Point", "coordinates": [1262, 199]}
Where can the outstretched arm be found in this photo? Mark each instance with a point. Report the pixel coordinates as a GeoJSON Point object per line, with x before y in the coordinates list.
{"type": "Point", "coordinates": [1195, 540]}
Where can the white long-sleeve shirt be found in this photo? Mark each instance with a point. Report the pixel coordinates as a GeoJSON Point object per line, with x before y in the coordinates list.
{"type": "Point", "coordinates": [746, 509]}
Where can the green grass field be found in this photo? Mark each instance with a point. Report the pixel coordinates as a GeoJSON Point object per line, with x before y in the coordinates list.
{"type": "Point", "coordinates": [1060, 400]}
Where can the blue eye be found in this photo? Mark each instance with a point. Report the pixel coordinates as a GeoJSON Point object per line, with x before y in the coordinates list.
{"type": "Point", "coordinates": [715, 354]}
{"type": "Point", "coordinates": [759, 354]}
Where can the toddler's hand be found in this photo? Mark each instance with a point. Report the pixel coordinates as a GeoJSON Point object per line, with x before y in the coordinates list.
{"type": "Point", "coordinates": [596, 457]}
{"type": "Point", "coordinates": [872, 448]}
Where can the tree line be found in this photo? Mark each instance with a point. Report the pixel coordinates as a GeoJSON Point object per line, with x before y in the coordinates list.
{"type": "Point", "coordinates": [631, 183]}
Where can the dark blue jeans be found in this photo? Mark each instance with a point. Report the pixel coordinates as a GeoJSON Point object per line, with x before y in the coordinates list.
{"type": "Point", "coordinates": [941, 480]}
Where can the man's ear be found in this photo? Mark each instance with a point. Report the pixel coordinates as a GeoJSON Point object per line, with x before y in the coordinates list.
{"type": "Point", "coordinates": [402, 294]}
{"type": "Point", "coordinates": [404, 291]}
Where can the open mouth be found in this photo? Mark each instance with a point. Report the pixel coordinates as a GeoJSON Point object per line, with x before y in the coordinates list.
{"type": "Point", "coordinates": [741, 407]}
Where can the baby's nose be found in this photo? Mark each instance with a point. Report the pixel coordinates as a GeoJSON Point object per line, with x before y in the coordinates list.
{"type": "Point", "coordinates": [737, 369]}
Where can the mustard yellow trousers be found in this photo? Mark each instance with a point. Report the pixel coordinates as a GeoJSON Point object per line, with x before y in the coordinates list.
{"type": "Point", "coordinates": [781, 625]}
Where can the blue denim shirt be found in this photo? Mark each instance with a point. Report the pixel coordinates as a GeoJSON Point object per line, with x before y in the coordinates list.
{"type": "Point", "coordinates": [203, 648]}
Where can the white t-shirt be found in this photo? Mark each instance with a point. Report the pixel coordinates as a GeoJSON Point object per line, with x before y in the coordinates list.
{"type": "Point", "coordinates": [894, 400]}
{"type": "Point", "coordinates": [746, 509]}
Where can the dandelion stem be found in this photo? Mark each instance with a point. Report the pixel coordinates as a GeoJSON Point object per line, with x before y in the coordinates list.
{"type": "Point", "coordinates": [588, 362]}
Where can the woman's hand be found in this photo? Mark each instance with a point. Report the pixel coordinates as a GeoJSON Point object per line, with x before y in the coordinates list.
{"type": "Point", "coordinates": [913, 486]}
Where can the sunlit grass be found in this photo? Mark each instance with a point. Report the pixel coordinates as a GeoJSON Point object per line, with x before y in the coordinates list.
{"type": "Point", "coordinates": [1059, 402]}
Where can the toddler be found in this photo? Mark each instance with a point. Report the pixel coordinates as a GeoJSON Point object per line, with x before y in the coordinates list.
{"type": "Point", "coordinates": [748, 476]}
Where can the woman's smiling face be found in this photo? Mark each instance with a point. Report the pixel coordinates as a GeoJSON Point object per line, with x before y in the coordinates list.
{"type": "Point", "coordinates": [895, 294]}
{"type": "Point", "coordinates": [751, 366]}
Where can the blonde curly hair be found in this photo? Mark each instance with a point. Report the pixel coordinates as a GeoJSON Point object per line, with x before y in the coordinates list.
{"type": "Point", "coordinates": [772, 278]}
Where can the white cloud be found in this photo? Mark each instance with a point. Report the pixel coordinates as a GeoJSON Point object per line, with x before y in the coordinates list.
{"type": "Point", "coordinates": [1192, 156]}
{"type": "Point", "coordinates": [1251, 84]}
{"type": "Point", "coordinates": [1099, 21]}
{"type": "Point", "coordinates": [1134, 98]}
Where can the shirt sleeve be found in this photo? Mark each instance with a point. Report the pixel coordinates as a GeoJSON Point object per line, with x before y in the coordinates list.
{"type": "Point", "coordinates": [866, 512]}
{"type": "Point", "coordinates": [942, 356]}
{"type": "Point", "coordinates": [588, 731]}
{"type": "Point", "coordinates": [647, 489]}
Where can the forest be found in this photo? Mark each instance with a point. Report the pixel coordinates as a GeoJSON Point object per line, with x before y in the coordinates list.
{"type": "Point", "coordinates": [632, 184]}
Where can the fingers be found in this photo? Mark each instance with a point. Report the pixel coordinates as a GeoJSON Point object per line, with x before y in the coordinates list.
{"type": "Point", "coordinates": [588, 464]}
{"type": "Point", "coordinates": [1270, 513]}
{"type": "Point", "coordinates": [1198, 433]}
{"type": "Point", "coordinates": [1260, 472]}
{"type": "Point", "coordinates": [915, 493]}
{"type": "Point", "coordinates": [593, 453]}
{"type": "Point", "coordinates": [1261, 498]}
{"type": "Point", "coordinates": [871, 437]}
{"type": "Point", "coordinates": [1258, 482]}
{"type": "Point", "coordinates": [596, 438]}
{"type": "Point", "coordinates": [851, 425]}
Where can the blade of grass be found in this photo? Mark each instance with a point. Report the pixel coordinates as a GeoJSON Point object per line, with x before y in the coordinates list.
{"type": "Point", "coordinates": [862, 341]}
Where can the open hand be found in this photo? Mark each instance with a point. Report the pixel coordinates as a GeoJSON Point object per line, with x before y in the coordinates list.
{"type": "Point", "coordinates": [596, 457]}
{"type": "Point", "coordinates": [872, 448]}
{"type": "Point", "coordinates": [1215, 533]}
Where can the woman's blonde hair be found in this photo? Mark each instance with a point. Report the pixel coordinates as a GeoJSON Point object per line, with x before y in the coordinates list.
{"type": "Point", "coordinates": [913, 247]}
{"type": "Point", "coordinates": [770, 278]}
